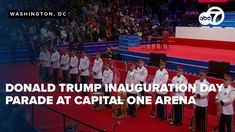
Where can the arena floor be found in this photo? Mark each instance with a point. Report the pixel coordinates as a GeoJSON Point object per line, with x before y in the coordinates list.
{"type": "Point", "coordinates": [102, 119]}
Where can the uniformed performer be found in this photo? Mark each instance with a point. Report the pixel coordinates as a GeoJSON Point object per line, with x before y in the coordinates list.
{"type": "Point", "coordinates": [84, 68]}
{"type": "Point", "coordinates": [161, 77]}
{"type": "Point", "coordinates": [225, 99]}
{"type": "Point", "coordinates": [142, 74]}
{"type": "Point", "coordinates": [178, 108]}
{"type": "Point", "coordinates": [41, 63]}
{"type": "Point", "coordinates": [97, 69]}
{"type": "Point", "coordinates": [201, 98]}
{"type": "Point", "coordinates": [73, 65]}
{"type": "Point", "coordinates": [107, 79]}
{"type": "Point", "coordinates": [47, 65]}
{"type": "Point", "coordinates": [132, 78]}
{"type": "Point", "coordinates": [64, 63]}
{"type": "Point", "coordinates": [55, 61]}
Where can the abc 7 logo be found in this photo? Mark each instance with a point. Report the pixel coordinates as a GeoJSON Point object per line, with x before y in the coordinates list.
{"type": "Point", "coordinates": [213, 16]}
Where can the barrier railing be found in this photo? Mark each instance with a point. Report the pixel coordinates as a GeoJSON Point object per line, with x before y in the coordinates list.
{"type": "Point", "coordinates": [48, 119]}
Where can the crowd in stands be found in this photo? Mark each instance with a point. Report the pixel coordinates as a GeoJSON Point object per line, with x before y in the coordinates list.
{"type": "Point", "coordinates": [190, 17]}
{"type": "Point", "coordinates": [88, 21]}
{"type": "Point", "coordinates": [93, 21]}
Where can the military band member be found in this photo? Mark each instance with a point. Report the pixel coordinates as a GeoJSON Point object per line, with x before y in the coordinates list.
{"type": "Point", "coordinates": [64, 63]}
{"type": "Point", "coordinates": [201, 105]}
{"type": "Point", "coordinates": [97, 69]}
{"type": "Point", "coordinates": [84, 68]}
{"type": "Point", "coordinates": [225, 99]}
{"type": "Point", "coordinates": [73, 65]}
{"type": "Point", "coordinates": [107, 79]}
{"type": "Point", "coordinates": [132, 78]}
{"type": "Point", "coordinates": [55, 61]}
{"type": "Point", "coordinates": [47, 65]}
{"type": "Point", "coordinates": [161, 77]}
{"type": "Point", "coordinates": [178, 108]}
{"type": "Point", "coordinates": [142, 74]}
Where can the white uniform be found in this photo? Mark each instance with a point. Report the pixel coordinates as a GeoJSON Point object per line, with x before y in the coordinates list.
{"type": "Point", "coordinates": [132, 78]}
{"type": "Point", "coordinates": [179, 80]}
{"type": "Point", "coordinates": [227, 95]}
{"type": "Point", "coordinates": [64, 62]}
{"type": "Point", "coordinates": [161, 77]}
{"type": "Point", "coordinates": [74, 65]}
{"type": "Point", "coordinates": [107, 76]}
{"type": "Point", "coordinates": [84, 65]}
{"type": "Point", "coordinates": [47, 59]}
{"type": "Point", "coordinates": [203, 100]}
{"type": "Point", "coordinates": [97, 68]}
{"type": "Point", "coordinates": [142, 73]}
{"type": "Point", "coordinates": [55, 59]}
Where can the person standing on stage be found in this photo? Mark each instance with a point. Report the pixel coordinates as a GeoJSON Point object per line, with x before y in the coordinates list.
{"type": "Point", "coordinates": [47, 65]}
{"type": "Point", "coordinates": [55, 61]}
{"type": "Point", "coordinates": [132, 78]}
{"type": "Point", "coordinates": [178, 109]}
{"type": "Point", "coordinates": [201, 98]}
{"type": "Point", "coordinates": [73, 65]}
{"type": "Point", "coordinates": [84, 68]}
{"type": "Point", "coordinates": [161, 77]}
{"type": "Point", "coordinates": [142, 74]}
{"type": "Point", "coordinates": [97, 69]}
{"type": "Point", "coordinates": [64, 63]}
{"type": "Point", "coordinates": [225, 99]}
{"type": "Point", "coordinates": [107, 79]}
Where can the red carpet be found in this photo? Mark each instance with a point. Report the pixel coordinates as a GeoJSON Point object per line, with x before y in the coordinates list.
{"type": "Point", "coordinates": [191, 52]}
{"type": "Point", "coordinates": [101, 119]}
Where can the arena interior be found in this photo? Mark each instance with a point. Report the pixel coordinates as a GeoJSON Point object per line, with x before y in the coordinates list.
{"type": "Point", "coordinates": [123, 33]}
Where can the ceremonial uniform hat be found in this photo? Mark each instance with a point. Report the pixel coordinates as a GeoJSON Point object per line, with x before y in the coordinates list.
{"type": "Point", "coordinates": [180, 68]}
{"type": "Point", "coordinates": [202, 72]}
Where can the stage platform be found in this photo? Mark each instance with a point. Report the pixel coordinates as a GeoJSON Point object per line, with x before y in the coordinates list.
{"type": "Point", "coordinates": [190, 52]}
{"type": "Point", "coordinates": [193, 58]}
{"type": "Point", "coordinates": [192, 47]}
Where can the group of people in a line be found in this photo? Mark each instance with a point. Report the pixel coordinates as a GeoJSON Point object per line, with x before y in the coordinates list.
{"type": "Point", "coordinates": [224, 98]}
{"type": "Point", "coordinates": [72, 66]}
